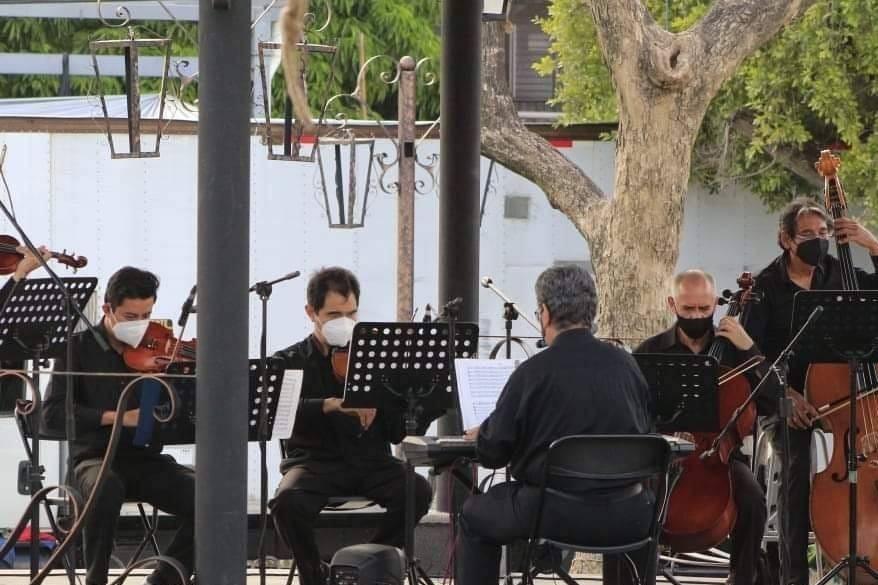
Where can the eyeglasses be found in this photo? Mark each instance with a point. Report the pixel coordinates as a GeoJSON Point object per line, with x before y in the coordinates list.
{"type": "Point", "coordinates": [824, 234]}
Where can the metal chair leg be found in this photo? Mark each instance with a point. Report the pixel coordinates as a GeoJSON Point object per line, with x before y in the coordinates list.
{"type": "Point", "coordinates": [292, 572]}
{"type": "Point", "coordinates": [150, 526]}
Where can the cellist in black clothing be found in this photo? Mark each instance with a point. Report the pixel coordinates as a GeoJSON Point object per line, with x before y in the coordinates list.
{"type": "Point", "coordinates": [693, 303]}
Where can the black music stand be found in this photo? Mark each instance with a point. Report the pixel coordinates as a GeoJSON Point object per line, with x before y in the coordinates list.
{"type": "Point", "coordinates": [407, 368]}
{"type": "Point", "coordinates": [181, 429]}
{"type": "Point", "coordinates": [35, 324]}
{"type": "Point", "coordinates": [847, 333]}
{"type": "Point", "coordinates": [683, 389]}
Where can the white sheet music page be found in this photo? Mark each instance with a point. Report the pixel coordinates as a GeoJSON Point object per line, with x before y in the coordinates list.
{"type": "Point", "coordinates": [479, 383]}
{"type": "Point", "coordinates": [287, 404]}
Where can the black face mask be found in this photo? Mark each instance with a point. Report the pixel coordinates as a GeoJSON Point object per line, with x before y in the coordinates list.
{"type": "Point", "coordinates": [813, 251]}
{"type": "Point", "coordinates": [695, 328]}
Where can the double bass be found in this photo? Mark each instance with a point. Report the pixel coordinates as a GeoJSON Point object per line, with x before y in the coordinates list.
{"type": "Point", "coordinates": [827, 388]}
{"type": "Point", "coordinates": [701, 507]}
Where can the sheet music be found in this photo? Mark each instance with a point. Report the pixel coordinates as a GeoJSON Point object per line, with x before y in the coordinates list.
{"type": "Point", "coordinates": [287, 404]}
{"type": "Point", "coordinates": [479, 383]}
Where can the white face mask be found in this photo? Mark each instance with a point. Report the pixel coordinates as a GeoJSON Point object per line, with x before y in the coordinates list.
{"type": "Point", "coordinates": [338, 332]}
{"type": "Point", "coordinates": [130, 332]}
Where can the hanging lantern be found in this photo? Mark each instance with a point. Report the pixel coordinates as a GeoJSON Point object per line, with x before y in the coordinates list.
{"type": "Point", "coordinates": [130, 52]}
{"type": "Point", "coordinates": [293, 136]}
{"type": "Point", "coordinates": [343, 159]}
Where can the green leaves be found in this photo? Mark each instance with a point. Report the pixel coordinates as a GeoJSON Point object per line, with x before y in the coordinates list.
{"type": "Point", "coordinates": [815, 85]}
{"type": "Point", "coordinates": [391, 27]}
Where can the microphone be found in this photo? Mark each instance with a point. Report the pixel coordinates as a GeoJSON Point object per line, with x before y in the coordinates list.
{"type": "Point", "coordinates": [288, 276]}
{"type": "Point", "coordinates": [453, 304]}
{"type": "Point", "coordinates": [487, 281]}
{"type": "Point", "coordinates": [428, 314]}
{"type": "Point", "coordinates": [187, 307]}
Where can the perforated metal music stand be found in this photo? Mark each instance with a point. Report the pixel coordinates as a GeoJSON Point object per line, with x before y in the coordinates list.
{"type": "Point", "coordinates": [181, 429]}
{"type": "Point", "coordinates": [34, 325]}
{"type": "Point", "coordinates": [846, 332]}
{"type": "Point", "coordinates": [684, 391]}
{"type": "Point", "coordinates": [33, 321]}
{"type": "Point", "coordinates": [407, 367]}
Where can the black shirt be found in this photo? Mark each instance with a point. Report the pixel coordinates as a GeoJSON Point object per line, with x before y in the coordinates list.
{"type": "Point", "coordinates": [92, 396]}
{"type": "Point", "coordinates": [579, 385]}
{"type": "Point", "coordinates": [770, 320]}
{"type": "Point", "coordinates": [669, 342]}
{"type": "Point", "coordinates": [334, 436]}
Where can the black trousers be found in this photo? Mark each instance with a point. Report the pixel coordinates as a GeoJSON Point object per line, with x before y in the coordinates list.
{"type": "Point", "coordinates": [798, 509]}
{"type": "Point", "coordinates": [745, 539]}
{"type": "Point", "coordinates": [506, 512]}
{"type": "Point", "coordinates": [305, 489]}
{"type": "Point", "coordinates": [154, 479]}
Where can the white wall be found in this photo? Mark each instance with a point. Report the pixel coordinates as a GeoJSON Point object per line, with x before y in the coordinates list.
{"type": "Point", "coordinates": [69, 194]}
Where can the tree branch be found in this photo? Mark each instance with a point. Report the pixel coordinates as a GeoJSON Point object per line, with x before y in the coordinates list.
{"type": "Point", "coordinates": [507, 140]}
{"type": "Point", "coordinates": [788, 158]}
{"type": "Point", "coordinates": [733, 29]}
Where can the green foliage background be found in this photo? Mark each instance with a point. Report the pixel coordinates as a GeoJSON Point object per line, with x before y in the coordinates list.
{"type": "Point", "coordinates": [814, 86]}
{"type": "Point", "coordinates": [391, 27]}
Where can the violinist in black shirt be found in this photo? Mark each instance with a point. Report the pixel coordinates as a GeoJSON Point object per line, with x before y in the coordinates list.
{"type": "Point", "coordinates": [336, 451]}
{"type": "Point", "coordinates": [579, 385]}
{"type": "Point", "coordinates": [805, 264]}
{"type": "Point", "coordinates": [139, 472]}
{"type": "Point", "coordinates": [694, 303]}
{"type": "Point", "coordinates": [11, 387]}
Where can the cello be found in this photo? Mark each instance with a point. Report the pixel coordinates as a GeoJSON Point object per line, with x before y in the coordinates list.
{"type": "Point", "coordinates": [701, 508]}
{"type": "Point", "coordinates": [827, 388]}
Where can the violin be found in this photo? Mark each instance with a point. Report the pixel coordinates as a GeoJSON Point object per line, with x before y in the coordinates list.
{"type": "Point", "coordinates": [158, 349]}
{"type": "Point", "coordinates": [339, 358]}
{"type": "Point", "coordinates": [827, 388]}
{"type": "Point", "coordinates": [12, 252]}
{"type": "Point", "coordinates": [701, 508]}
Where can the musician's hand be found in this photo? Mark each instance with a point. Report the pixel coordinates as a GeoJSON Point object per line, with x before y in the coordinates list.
{"type": "Point", "coordinates": [366, 415]}
{"type": "Point", "coordinates": [731, 329]}
{"type": "Point", "coordinates": [849, 230]}
{"type": "Point", "coordinates": [29, 263]}
{"type": "Point", "coordinates": [129, 419]}
{"type": "Point", "coordinates": [471, 434]}
{"type": "Point", "coordinates": [803, 413]}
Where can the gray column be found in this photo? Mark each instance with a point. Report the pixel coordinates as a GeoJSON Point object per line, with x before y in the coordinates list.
{"type": "Point", "coordinates": [459, 172]}
{"type": "Point", "coordinates": [223, 273]}
{"type": "Point", "coordinates": [459, 156]}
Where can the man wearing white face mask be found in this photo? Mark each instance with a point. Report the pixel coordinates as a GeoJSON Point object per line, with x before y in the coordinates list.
{"type": "Point", "coordinates": [336, 451]}
{"type": "Point", "coordinates": [138, 473]}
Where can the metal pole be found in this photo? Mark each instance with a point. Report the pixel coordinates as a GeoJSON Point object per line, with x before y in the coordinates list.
{"type": "Point", "coordinates": [405, 209]}
{"type": "Point", "coordinates": [459, 178]}
{"type": "Point", "coordinates": [223, 272]}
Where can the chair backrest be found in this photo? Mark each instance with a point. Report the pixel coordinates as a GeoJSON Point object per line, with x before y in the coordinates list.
{"type": "Point", "coordinates": [590, 461]}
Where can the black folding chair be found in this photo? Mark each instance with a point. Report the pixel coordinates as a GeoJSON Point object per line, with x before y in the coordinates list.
{"type": "Point", "coordinates": [603, 458]}
{"type": "Point", "coordinates": [149, 522]}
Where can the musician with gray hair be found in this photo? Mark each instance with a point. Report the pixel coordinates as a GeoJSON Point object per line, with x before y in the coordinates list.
{"type": "Point", "coordinates": [578, 385]}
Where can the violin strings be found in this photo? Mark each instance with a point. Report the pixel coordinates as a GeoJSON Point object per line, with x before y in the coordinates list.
{"type": "Point", "coordinates": [866, 379]}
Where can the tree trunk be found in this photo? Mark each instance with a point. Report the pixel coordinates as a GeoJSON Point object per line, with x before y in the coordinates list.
{"type": "Point", "coordinates": [635, 240]}
{"type": "Point", "coordinates": [664, 83]}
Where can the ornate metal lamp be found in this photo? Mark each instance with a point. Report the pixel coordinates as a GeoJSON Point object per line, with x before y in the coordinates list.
{"type": "Point", "coordinates": [342, 158]}
{"type": "Point", "coordinates": [293, 133]}
{"type": "Point", "coordinates": [130, 51]}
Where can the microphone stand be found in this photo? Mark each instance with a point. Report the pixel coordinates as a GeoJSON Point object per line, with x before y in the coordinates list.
{"type": "Point", "coordinates": [784, 410]}
{"type": "Point", "coordinates": [264, 289]}
{"type": "Point", "coordinates": [510, 313]}
{"type": "Point", "coordinates": [36, 415]}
